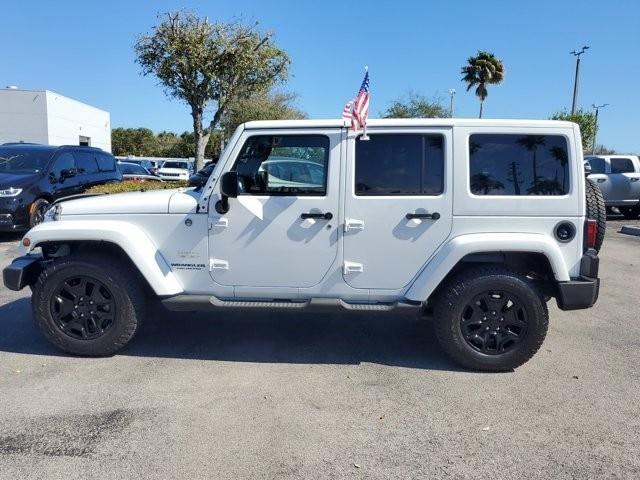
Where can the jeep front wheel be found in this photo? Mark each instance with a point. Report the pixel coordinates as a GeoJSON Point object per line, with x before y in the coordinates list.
{"type": "Point", "coordinates": [87, 305]}
{"type": "Point", "coordinates": [490, 319]}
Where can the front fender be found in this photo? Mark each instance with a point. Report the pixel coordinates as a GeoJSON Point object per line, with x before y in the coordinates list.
{"type": "Point", "coordinates": [457, 248]}
{"type": "Point", "coordinates": [135, 243]}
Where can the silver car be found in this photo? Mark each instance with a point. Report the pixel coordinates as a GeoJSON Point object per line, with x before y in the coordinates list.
{"type": "Point", "coordinates": [618, 176]}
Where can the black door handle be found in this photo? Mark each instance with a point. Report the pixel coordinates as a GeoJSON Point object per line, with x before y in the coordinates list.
{"type": "Point", "coordinates": [431, 216]}
{"type": "Point", "coordinates": [325, 216]}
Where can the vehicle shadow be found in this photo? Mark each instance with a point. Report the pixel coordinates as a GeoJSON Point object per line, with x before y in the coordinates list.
{"type": "Point", "coordinates": [404, 340]}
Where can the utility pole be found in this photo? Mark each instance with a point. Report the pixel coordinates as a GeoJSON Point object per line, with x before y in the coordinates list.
{"type": "Point", "coordinates": [452, 93]}
{"type": "Point", "coordinates": [595, 130]}
{"type": "Point", "coordinates": [576, 81]}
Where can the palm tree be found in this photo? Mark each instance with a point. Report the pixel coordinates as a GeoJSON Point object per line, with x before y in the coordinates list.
{"type": "Point", "coordinates": [531, 143]}
{"type": "Point", "coordinates": [482, 70]}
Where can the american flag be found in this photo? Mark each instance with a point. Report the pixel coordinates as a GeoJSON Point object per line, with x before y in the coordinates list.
{"type": "Point", "coordinates": [357, 110]}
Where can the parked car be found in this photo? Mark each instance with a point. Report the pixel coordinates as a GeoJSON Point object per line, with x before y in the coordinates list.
{"type": "Point", "coordinates": [175, 170]}
{"type": "Point", "coordinates": [199, 179]}
{"type": "Point", "coordinates": [136, 172]}
{"type": "Point", "coordinates": [618, 176]}
{"type": "Point", "coordinates": [367, 225]}
{"type": "Point", "coordinates": [33, 176]}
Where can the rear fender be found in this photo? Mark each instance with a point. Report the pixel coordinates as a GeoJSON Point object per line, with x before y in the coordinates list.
{"type": "Point", "coordinates": [457, 248]}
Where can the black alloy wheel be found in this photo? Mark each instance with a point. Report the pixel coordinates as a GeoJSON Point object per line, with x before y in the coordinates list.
{"type": "Point", "coordinates": [83, 307]}
{"type": "Point", "coordinates": [494, 322]}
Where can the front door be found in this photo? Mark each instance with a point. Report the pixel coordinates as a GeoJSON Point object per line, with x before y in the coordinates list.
{"type": "Point", "coordinates": [398, 205]}
{"type": "Point", "coordinates": [63, 176]}
{"type": "Point", "coordinates": [281, 231]}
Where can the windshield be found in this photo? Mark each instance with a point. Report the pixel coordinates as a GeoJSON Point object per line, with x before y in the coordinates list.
{"type": "Point", "coordinates": [183, 165]}
{"type": "Point", "coordinates": [21, 160]}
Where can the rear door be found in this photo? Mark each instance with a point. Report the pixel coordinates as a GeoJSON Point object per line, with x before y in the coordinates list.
{"type": "Point", "coordinates": [398, 204]}
{"type": "Point", "coordinates": [625, 185]}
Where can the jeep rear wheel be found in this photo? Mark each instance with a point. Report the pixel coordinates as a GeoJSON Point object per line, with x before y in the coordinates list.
{"type": "Point", "coordinates": [490, 319]}
{"type": "Point", "coordinates": [87, 305]}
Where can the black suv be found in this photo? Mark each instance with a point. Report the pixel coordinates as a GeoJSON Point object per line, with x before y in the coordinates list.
{"type": "Point", "coordinates": [32, 176]}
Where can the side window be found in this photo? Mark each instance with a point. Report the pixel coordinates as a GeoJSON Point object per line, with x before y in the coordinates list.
{"type": "Point", "coordinates": [106, 163]}
{"type": "Point", "coordinates": [400, 164]}
{"type": "Point", "coordinates": [64, 161]}
{"type": "Point", "coordinates": [86, 162]}
{"type": "Point", "coordinates": [597, 164]}
{"type": "Point", "coordinates": [284, 165]}
{"type": "Point", "coordinates": [621, 165]}
{"type": "Point", "coordinates": [508, 164]}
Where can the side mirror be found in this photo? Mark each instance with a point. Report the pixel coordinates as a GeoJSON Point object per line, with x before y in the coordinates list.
{"type": "Point", "coordinates": [68, 173]}
{"type": "Point", "coordinates": [228, 189]}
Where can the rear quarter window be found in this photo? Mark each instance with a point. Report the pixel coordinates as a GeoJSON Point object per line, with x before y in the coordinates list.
{"type": "Point", "coordinates": [518, 164]}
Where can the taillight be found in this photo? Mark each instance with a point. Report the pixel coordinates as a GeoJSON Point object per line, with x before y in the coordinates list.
{"type": "Point", "coordinates": [591, 232]}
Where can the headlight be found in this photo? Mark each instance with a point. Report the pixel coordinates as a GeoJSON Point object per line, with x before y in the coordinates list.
{"type": "Point", "coordinates": [10, 192]}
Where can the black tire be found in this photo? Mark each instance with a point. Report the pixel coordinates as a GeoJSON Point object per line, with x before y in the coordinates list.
{"type": "Point", "coordinates": [519, 344]}
{"type": "Point", "coordinates": [121, 312]}
{"type": "Point", "coordinates": [596, 210]}
{"type": "Point", "coordinates": [630, 213]}
{"type": "Point", "coordinates": [37, 210]}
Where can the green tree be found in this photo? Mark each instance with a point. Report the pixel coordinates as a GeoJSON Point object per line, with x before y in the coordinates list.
{"type": "Point", "coordinates": [482, 70]}
{"type": "Point", "coordinates": [133, 141]}
{"type": "Point", "coordinates": [185, 147]}
{"type": "Point", "coordinates": [416, 106]}
{"type": "Point", "coordinates": [209, 64]}
{"type": "Point", "coordinates": [585, 119]}
{"type": "Point", "coordinates": [261, 106]}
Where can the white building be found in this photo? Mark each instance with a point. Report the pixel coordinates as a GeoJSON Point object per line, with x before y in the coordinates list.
{"type": "Point", "coordinates": [42, 116]}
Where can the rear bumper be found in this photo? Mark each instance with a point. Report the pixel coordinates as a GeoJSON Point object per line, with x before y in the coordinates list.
{"type": "Point", "coordinates": [581, 292]}
{"type": "Point", "coordinates": [22, 271]}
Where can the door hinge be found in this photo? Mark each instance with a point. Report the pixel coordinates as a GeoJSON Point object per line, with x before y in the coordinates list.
{"type": "Point", "coordinates": [353, 224]}
{"type": "Point", "coordinates": [352, 267]}
{"type": "Point", "coordinates": [219, 222]}
{"type": "Point", "coordinates": [217, 264]}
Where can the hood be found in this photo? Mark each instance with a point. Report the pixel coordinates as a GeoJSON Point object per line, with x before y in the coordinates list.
{"type": "Point", "coordinates": [153, 201]}
{"type": "Point", "coordinates": [8, 180]}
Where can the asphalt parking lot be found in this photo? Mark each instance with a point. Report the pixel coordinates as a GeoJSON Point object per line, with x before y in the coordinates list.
{"type": "Point", "coordinates": [302, 395]}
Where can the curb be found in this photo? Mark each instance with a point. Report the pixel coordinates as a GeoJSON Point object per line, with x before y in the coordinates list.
{"type": "Point", "coordinates": [629, 230]}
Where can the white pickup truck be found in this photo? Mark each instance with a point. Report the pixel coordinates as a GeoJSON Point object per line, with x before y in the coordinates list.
{"type": "Point", "coordinates": [618, 176]}
{"type": "Point", "coordinates": [479, 221]}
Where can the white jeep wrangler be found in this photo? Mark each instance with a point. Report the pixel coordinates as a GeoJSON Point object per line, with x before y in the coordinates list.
{"type": "Point", "coordinates": [480, 222]}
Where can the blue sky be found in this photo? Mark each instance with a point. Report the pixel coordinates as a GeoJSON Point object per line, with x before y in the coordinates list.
{"type": "Point", "coordinates": [84, 50]}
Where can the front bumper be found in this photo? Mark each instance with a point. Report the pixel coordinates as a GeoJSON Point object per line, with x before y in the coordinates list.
{"type": "Point", "coordinates": [581, 292]}
{"type": "Point", "coordinates": [22, 271]}
{"type": "Point", "coordinates": [13, 215]}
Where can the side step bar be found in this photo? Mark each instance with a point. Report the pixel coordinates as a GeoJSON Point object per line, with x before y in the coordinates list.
{"type": "Point", "coordinates": [190, 303]}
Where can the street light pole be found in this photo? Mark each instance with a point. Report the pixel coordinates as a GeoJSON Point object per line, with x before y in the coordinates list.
{"type": "Point", "coordinates": [452, 92]}
{"type": "Point", "coordinates": [595, 130]}
{"type": "Point", "coordinates": [577, 77]}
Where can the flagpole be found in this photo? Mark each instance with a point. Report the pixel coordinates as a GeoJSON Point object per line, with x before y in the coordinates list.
{"type": "Point", "coordinates": [364, 136]}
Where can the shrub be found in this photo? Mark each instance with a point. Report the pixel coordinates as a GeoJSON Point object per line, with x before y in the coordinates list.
{"type": "Point", "coordinates": [131, 186]}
